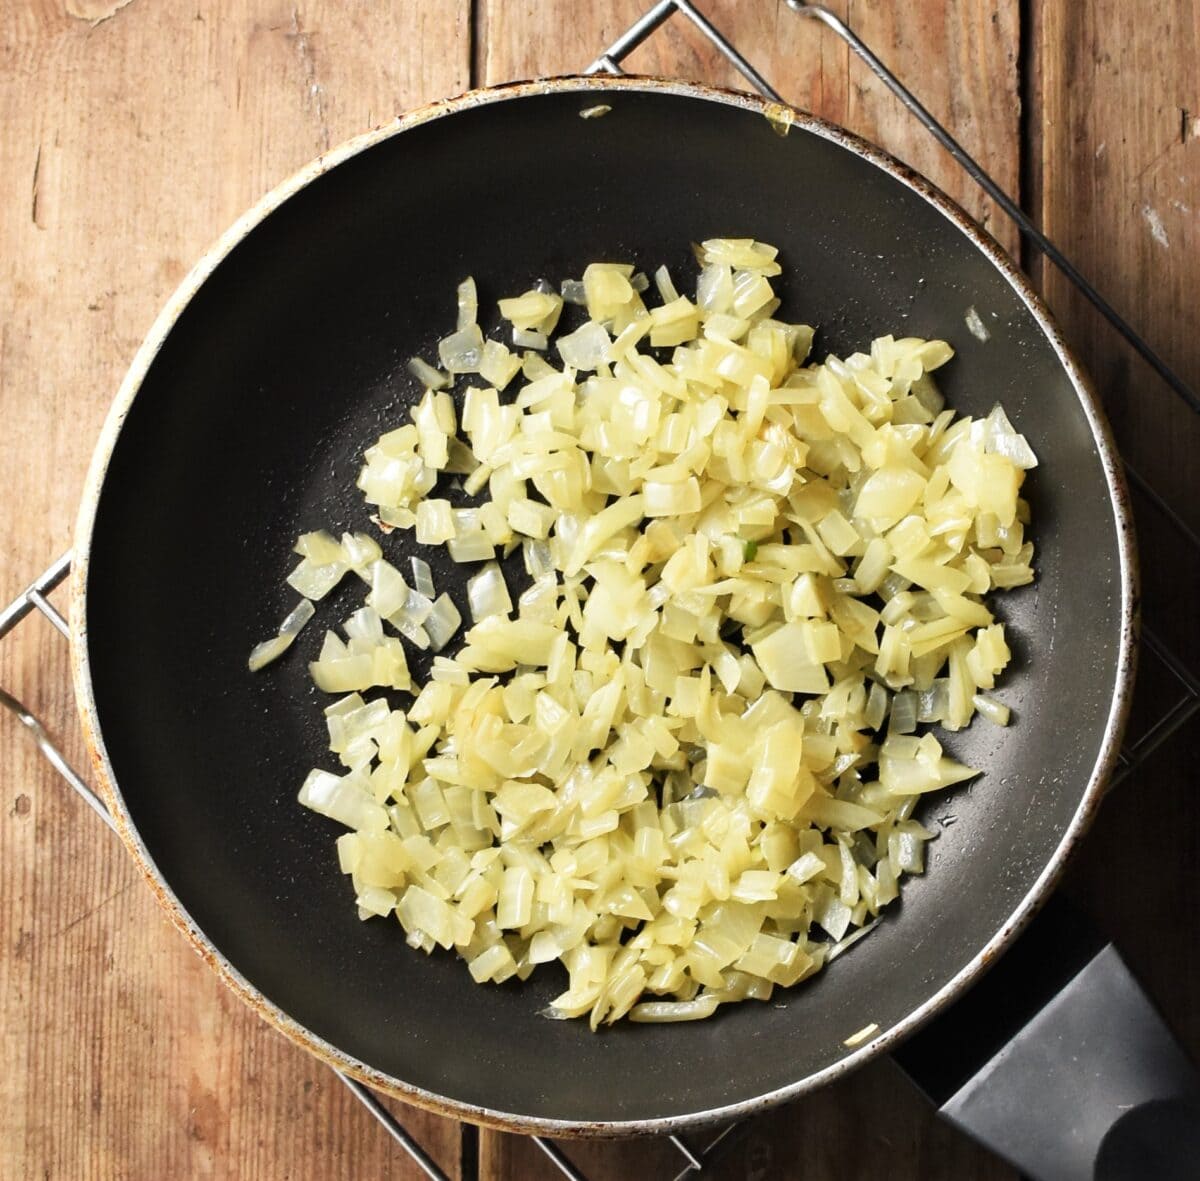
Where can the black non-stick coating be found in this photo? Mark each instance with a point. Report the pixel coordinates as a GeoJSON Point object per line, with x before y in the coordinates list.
{"type": "Point", "coordinates": [249, 428]}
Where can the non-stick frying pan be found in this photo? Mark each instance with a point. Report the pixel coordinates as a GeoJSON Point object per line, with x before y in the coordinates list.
{"type": "Point", "coordinates": [242, 423]}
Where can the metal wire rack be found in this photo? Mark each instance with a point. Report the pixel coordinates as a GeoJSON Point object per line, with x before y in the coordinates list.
{"type": "Point", "coordinates": [694, 1161]}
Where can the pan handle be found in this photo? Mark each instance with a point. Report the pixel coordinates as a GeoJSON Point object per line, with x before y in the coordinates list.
{"type": "Point", "coordinates": [1059, 1062]}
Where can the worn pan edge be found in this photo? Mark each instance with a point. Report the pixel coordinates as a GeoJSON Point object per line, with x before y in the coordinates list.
{"type": "Point", "coordinates": [179, 300]}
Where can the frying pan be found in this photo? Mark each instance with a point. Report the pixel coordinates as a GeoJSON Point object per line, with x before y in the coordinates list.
{"type": "Point", "coordinates": [242, 422]}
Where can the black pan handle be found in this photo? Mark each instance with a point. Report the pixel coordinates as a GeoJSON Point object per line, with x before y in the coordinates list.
{"type": "Point", "coordinates": [1059, 1063]}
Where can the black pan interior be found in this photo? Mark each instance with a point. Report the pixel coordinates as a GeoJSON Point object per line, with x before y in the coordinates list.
{"type": "Point", "coordinates": [248, 429]}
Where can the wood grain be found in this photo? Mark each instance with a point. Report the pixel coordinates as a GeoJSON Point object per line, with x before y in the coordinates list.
{"type": "Point", "coordinates": [1119, 183]}
{"type": "Point", "coordinates": [840, 1134]}
{"type": "Point", "coordinates": [132, 133]}
{"type": "Point", "coordinates": [1120, 188]}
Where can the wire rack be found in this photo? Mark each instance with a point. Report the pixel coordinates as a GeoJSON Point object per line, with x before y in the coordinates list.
{"type": "Point", "coordinates": [694, 1160]}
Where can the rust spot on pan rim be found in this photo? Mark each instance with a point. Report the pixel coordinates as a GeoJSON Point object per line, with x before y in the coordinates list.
{"type": "Point", "coordinates": [594, 87]}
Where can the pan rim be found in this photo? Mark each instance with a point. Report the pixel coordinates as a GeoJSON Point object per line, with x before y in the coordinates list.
{"type": "Point", "coordinates": [934, 1003]}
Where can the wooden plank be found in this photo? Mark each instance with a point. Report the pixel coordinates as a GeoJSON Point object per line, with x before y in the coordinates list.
{"type": "Point", "coordinates": [844, 1132]}
{"type": "Point", "coordinates": [1119, 183]}
{"type": "Point", "coordinates": [133, 134]}
{"type": "Point", "coordinates": [961, 60]}
{"type": "Point", "coordinates": [1120, 177]}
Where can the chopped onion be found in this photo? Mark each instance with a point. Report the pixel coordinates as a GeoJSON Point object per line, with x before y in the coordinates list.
{"type": "Point", "coordinates": [462, 351]}
{"type": "Point", "coordinates": [442, 622]}
{"type": "Point", "coordinates": [320, 548]}
{"type": "Point", "coordinates": [422, 577]}
{"type": "Point", "coordinates": [976, 326]}
{"type": "Point", "coordinates": [857, 1039]}
{"type": "Point", "coordinates": [360, 550]}
{"type": "Point", "coordinates": [262, 654]}
{"type": "Point", "coordinates": [471, 547]}
{"type": "Point", "coordinates": [468, 304]}
{"type": "Point", "coordinates": [293, 623]}
{"type": "Point", "coordinates": [995, 711]}
{"type": "Point", "coordinates": [1002, 439]}
{"type": "Point", "coordinates": [696, 1009]}
{"type": "Point", "coordinates": [535, 311]}
{"type": "Point", "coordinates": [427, 375]}
{"type": "Point", "coordinates": [665, 285]}
{"type": "Point", "coordinates": [586, 348]}
{"type": "Point", "coordinates": [313, 581]}
{"type": "Point", "coordinates": [389, 591]}
{"type": "Point", "coordinates": [488, 593]}
{"type": "Point", "coordinates": [345, 800]}
{"type": "Point", "coordinates": [572, 291]}
{"type": "Point", "coordinates": [526, 338]}
{"type": "Point", "coordinates": [498, 366]}
{"type": "Point", "coordinates": [685, 763]}
{"type": "Point", "coordinates": [434, 522]}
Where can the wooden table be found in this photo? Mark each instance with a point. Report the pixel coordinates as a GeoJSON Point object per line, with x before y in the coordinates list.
{"type": "Point", "coordinates": [132, 133]}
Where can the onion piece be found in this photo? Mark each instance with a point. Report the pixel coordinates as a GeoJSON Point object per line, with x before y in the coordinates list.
{"type": "Point", "coordinates": [462, 351]}
{"type": "Point", "coordinates": [468, 303]}
{"type": "Point", "coordinates": [498, 366]}
{"type": "Point", "coordinates": [857, 1039]}
{"type": "Point", "coordinates": [666, 286]}
{"type": "Point", "coordinates": [527, 338]}
{"type": "Point", "coordinates": [360, 550]}
{"type": "Point", "coordinates": [313, 581]}
{"type": "Point", "coordinates": [1002, 439]}
{"type": "Point", "coordinates": [422, 577]}
{"type": "Point", "coordinates": [471, 547]}
{"type": "Point", "coordinates": [572, 291]}
{"type": "Point", "coordinates": [427, 375]}
{"type": "Point", "coordinates": [442, 622]}
{"type": "Point", "coordinates": [344, 799]}
{"type": "Point", "coordinates": [389, 591]}
{"type": "Point", "coordinates": [976, 326]}
{"type": "Point", "coordinates": [293, 623]}
{"type": "Point", "coordinates": [586, 348]}
{"type": "Point", "coordinates": [262, 654]}
{"type": "Point", "coordinates": [320, 547]}
{"type": "Point", "coordinates": [488, 594]}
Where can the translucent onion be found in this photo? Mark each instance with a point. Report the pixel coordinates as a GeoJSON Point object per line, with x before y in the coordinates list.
{"type": "Point", "coordinates": [527, 338]}
{"type": "Point", "coordinates": [585, 349]}
{"type": "Point", "coordinates": [468, 303]}
{"type": "Point", "coordinates": [422, 577]}
{"type": "Point", "coordinates": [573, 292]}
{"type": "Point", "coordinates": [488, 594]}
{"type": "Point", "coordinates": [462, 351]}
{"type": "Point", "coordinates": [442, 622]}
{"type": "Point", "coordinates": [665, 285]}
{"type": "Point", "coordinates": [976, 326]}
{"type": "Point", "coordinates": [685, 763]}
{"type": "Point", "coordinates": [427, 375]}
{"type": "Point", "coordinates": [262, 654]}
{"type": "Point", "coordinates": [1002, 439]}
